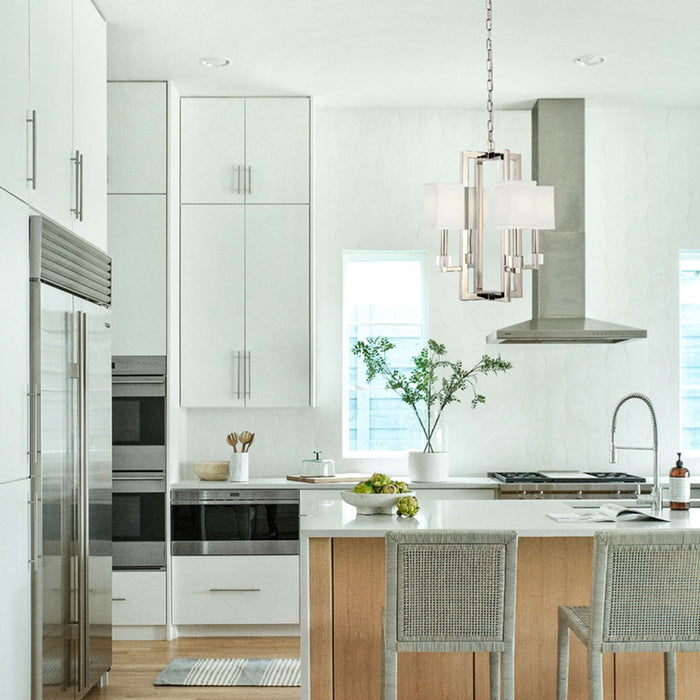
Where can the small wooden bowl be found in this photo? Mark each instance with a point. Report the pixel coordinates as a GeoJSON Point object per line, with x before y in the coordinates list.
{"type": "Point", "coordinates": [212, 471]}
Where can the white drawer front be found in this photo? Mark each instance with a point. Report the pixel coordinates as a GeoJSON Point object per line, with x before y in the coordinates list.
{"type": "Point", "coordinates": [138, 598]}
{"type": "Point", "coordinates": [237, 590]}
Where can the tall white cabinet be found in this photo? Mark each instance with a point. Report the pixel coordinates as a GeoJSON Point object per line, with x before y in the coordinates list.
{"type": "Point", "coordinates": [137, 215]}
{"type": "Point", "coordinates": [53, 122]}
{"type": "Point", "coordinates": [15, 582]}
{"type": "Point", "coordinates": [245, 252]}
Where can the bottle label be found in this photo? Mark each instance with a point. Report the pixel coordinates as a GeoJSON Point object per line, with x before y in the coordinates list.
{"type": "Point", "coordinates": [679, 491]}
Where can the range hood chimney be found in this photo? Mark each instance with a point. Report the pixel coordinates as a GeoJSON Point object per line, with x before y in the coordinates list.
{"type": "Point", "coordinates": [559, 286]}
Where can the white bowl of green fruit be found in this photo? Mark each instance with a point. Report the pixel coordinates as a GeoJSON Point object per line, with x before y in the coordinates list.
{"type": "Point", "coordinates": [381, 495]}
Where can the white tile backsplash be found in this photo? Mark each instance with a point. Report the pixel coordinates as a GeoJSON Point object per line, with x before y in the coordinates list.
{"type": "Point", "coordinates": [554, 408]}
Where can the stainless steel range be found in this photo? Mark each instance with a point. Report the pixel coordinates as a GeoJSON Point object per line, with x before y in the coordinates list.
{"type": "Point", "coordinates": [569, 485]}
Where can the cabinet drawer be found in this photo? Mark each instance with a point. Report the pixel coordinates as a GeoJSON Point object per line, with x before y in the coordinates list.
{"type": "Point", "coordinates": [245, 590]}
{"type": "Point", "coordinates": [138, 598]}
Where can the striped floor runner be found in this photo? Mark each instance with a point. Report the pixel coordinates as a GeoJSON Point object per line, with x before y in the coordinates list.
{"type": "Point", "coordinates": [230, 672]}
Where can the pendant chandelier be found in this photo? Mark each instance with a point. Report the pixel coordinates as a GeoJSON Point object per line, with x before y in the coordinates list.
{"type": "Point", "coordinates": [490, 202]}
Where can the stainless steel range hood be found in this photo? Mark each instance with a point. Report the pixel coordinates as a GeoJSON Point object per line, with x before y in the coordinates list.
{"type": "Point", "coordinates": [559, 286]}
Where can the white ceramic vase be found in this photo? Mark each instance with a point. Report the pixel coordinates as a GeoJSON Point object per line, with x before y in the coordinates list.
{"type": "Point", "coordinates": [425, 467]}
{"type": "Point", "coordinates": [238, 467]}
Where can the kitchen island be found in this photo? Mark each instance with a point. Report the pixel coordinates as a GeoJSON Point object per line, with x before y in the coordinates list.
{"type": "Point", "coordinates": [343, 595]}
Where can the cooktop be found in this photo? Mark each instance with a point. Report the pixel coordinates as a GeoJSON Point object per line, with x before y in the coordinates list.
{"type": "Point", "coordinates": [564, 477]}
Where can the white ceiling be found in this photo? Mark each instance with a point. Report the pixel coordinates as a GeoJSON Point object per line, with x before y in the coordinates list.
{"type": "Point", "coordinates": [413, 52]}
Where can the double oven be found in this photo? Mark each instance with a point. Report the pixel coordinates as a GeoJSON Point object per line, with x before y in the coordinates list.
{"type": "Point", "coordinates": [138, 462]}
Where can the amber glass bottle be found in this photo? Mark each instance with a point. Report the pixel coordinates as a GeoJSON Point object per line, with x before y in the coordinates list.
{"type": "Point", "coordinates": [679, 481]}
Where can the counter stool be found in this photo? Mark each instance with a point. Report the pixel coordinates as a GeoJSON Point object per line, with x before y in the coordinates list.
{"type": "Point", "coordinates": [645, 596]}
{"type": "Point", "coordinates": [450, 590]}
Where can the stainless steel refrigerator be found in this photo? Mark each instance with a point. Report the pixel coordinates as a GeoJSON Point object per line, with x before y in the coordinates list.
{"type": "Point", "coordinates": [70, 453]}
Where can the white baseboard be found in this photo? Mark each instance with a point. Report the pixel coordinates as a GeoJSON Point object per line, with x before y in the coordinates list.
{"type": "Point", "coordinates": [122, 633]}
{"type": "Point", "coordinates": [236, 631]}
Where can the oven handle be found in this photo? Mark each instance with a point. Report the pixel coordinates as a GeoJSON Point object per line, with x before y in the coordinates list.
{"type": "Point", "coordinates": [242, 502]}
{"type": "Point", "coordinates": [138, 379]}
{"type": "Point", "coordinates": [118, 477]}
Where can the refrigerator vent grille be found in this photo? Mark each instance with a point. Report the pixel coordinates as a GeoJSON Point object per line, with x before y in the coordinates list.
{"type": "Point", "coordinates": [60, 258]}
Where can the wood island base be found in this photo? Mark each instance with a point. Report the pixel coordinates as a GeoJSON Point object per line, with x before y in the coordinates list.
{"type": "Point", "coordinates": [346, 590]}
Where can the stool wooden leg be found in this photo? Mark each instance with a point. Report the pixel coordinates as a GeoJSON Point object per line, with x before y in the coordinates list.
{"type": "Point", "coordinates": [495, 674]}
{"type": "Point", "coordinates": [562, 659]}
{"type": "Point", "coordinates": [670, 675]}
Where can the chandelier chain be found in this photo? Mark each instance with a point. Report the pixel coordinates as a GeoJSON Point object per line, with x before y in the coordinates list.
{"type": "Point", "coordinates": [489, 75]}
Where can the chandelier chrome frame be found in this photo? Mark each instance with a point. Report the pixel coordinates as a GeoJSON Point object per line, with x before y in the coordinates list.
{"type": "Point", "coordinates": [513, 206]}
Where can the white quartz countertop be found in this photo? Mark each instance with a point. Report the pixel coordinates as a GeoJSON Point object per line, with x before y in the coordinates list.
{"type": "Point", "coordinates": [454, 482]}
{"type": "Point", "coordinates": [334, 518]}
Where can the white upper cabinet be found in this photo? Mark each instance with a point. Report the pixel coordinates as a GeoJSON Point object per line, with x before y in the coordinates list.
{"type": "Point", "coordinates": [212, 150]}
{"type": "Point", "coordinates": [137, 138]}
{"type": "Point", "coordinates": [245, 150]}
{"type": "Point", "coordinates": [212, 306]}
{"type": "Point", "coordinates": [277, 305]}
{"type": "Point", "coordinates": [51, 101]}
{"type": "Point", "coordinates": [137, 240]}
{"type": "Point", "coordinates": [90, 122]}
{"type": "Point", "coordinates": [277, 150]}
{"type": "Point", "coordinates": [14, 88]}
{"type": "Point", "coordinates": [53, 117]}
{"type": "Point", "coordinates": [14, 340]}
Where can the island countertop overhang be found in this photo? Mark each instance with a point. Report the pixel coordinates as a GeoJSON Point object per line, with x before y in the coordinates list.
{"type": "Point", "coordinates": [333, 518]}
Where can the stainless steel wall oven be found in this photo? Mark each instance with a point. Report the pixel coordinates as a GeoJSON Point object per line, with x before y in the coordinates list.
{"type": "Point", "coordinates": [235, 521]}
{"type": "Point", "coordinates": [138, 461]}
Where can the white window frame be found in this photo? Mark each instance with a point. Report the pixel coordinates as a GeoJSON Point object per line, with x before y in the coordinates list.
{"type": "Point", "coordinates": [687, 451]}
{"type": "Point", "coordinates": [349, 256]}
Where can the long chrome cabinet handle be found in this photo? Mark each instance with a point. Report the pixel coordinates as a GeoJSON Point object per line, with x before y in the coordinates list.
{"type": "Point", "coordinates": [32, 120]}
{"type": "Point", "coordinates": [238, 373]}
{"type": "Point", "coordinates": [75, 210]}
{"type": "Point", "coordinates": [238, 179]}
{"type": "Point", "coordinates": [249, 180]}
{"type": "Point", "coordinates": [248, 391]}
{"type": "Point", "coordinates": [234, 590]}
{"type": "Point", "coordinates": [80, 199]}
{"type": "Point", "coordinates": [116, 600]}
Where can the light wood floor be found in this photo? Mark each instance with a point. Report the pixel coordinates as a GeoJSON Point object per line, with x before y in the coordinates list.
{"type": "Point", "coordinates": [135, 666]}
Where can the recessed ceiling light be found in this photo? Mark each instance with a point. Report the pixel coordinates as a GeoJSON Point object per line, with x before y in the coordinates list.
{"type": "Point", "coordinates": [214, 62]}
{"type": "Point", "coordinates": [589, 59]}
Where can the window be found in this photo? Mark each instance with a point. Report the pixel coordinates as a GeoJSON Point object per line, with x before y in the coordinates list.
{"type": "Point", "coordinates": [383, 295]}
{"type": "Point", "coordinates": [690, 349]}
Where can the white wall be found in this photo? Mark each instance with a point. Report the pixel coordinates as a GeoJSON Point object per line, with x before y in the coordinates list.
{"type": "Point", "coordinates": [554, 408]}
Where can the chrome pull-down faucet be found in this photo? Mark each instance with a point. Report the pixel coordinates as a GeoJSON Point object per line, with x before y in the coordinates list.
{"type": "Point", "coordinates": [656, 490]}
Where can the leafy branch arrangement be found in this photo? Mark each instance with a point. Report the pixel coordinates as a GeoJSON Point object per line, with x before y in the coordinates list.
{"type": "Point", "coordinates": [432, 384]}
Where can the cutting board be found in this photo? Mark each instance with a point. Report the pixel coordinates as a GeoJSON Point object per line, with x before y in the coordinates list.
{"type": "Point", "coordinates": [340, 478]}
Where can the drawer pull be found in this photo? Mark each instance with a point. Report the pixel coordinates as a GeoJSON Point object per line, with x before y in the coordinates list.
{"type": "Point", "coordinates": [234, 590]}
{"type": "Point", "coordinates": [117, 599]}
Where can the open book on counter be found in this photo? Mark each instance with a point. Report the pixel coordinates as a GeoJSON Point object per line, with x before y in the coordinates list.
{"type": "Point", "coordinates": [608, 512]}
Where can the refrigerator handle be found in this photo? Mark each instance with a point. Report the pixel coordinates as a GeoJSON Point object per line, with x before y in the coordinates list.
{"type": "Point", "coordinates": [83, 652]}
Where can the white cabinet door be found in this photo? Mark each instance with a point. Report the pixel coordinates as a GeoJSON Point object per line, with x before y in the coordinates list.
{"type": "Point", "coordinates": [277, 305]}
{"type": "Point", "coordinates": [136, 137]}
{"type": "Point", "coordinates": [137, 244]}
{"type": "Point", "coordinates": [51, 96]}
{"type": "Point", "coordinates": [138, 598]}
{"type": "Point", "coordinates": [15, 588]}
{"type": "Point", "coordinates": [241, 590]}
{"type": "Point", "coordinates": [14, 88]}
{"type": "Point", "coordinates": [277, 150]}
{"type": "Point", "coordinates": [212, 150]}
{"type": "Point", "coordinates": [14, 340]}
{"type": "Point", "coordinates": [212, 312]}
{"type": "Point", "coordinates": [90, 120]}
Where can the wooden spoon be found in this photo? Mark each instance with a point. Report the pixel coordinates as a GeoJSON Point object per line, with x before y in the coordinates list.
{"type": "Point", "coordinates": [246, 439]}
{"type": "Point", "coordinates": [232, 439]}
